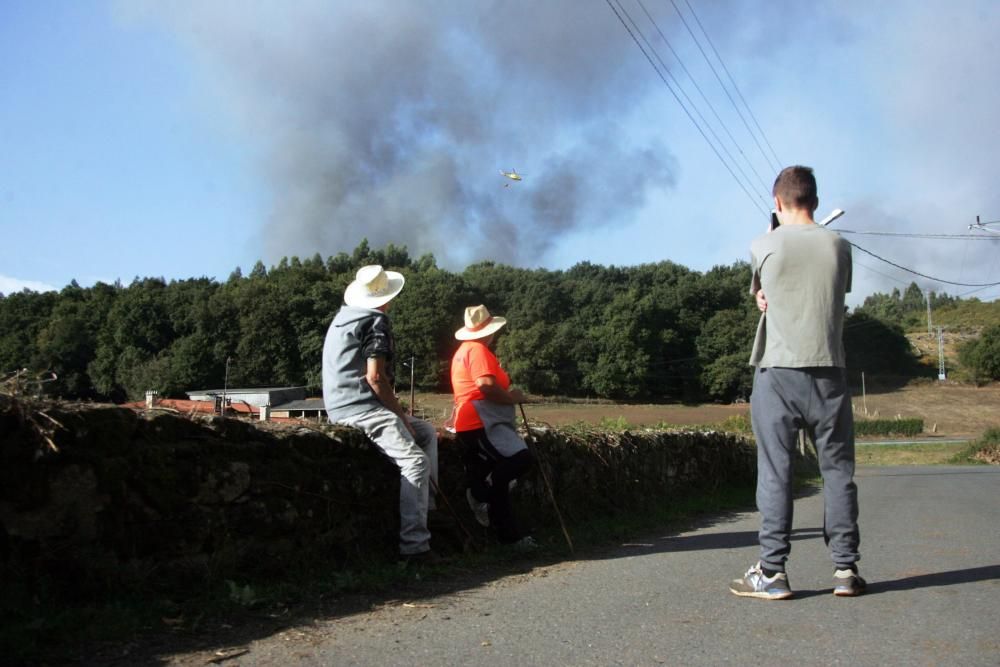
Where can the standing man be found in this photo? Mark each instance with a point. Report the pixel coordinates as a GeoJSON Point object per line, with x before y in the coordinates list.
{"type": "Point", "coordinates": [358, 392]}
{"type": "Point", "coordinates": [801, 272]}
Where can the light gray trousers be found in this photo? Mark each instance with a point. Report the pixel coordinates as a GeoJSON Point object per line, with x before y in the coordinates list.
{"type": "Point", "coordinates": [817, 400]}
{"type": "Point", "coordinates": [417, 460]}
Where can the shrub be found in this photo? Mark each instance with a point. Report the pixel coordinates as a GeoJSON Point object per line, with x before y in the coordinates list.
{"type": "Point", "coordinates": [889, 427]}
{"type": "Point", "coordinates": [984, 450]}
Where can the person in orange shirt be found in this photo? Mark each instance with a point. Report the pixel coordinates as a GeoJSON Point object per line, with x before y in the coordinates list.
{"type": "Point", "coordinates": [494, 453]}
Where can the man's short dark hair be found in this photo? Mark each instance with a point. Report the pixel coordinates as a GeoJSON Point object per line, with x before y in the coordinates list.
{"type": "Point", "coordinates": [796, 187]}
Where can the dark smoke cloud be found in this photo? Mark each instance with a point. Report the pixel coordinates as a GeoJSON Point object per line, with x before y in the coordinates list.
{"type": "Point", "coordinates": [390, 120]}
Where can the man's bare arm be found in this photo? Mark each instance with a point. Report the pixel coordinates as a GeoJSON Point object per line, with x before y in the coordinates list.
{"type": "Point", "coordinates": [494, 392]}
{"type": "Point", "coordinates": [378, 380]}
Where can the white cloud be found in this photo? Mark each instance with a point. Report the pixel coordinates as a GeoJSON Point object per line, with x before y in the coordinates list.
{"type": "Point", "coordinates": [10, 285]}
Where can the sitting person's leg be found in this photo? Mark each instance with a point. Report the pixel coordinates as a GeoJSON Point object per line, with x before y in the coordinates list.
{"type": "Point", "coordinates": [427, 440]}
{"type": "Point", "coordinates": [489, 477]}
{"type": "Point", "coordinates": [478, 463]}
{"type": "Point", "coordinates": [501, 511]}
{"type": "Point", "coordinates": [389, 433]}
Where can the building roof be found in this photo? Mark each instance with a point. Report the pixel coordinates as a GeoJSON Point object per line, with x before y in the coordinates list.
{"type": "Point", "coordinates": [307, 404]}
{"type": "Point", "coordinates": [241, 390]}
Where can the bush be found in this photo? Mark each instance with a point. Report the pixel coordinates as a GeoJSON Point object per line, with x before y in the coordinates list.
{"type": "Point", "coordinates": [984, 450]}
{"type": "Point", "coordinates": [889, 427]}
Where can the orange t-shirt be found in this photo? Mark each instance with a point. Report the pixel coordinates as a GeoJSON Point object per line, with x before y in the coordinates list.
{"type": "Point", "coordinates": [472, 361]}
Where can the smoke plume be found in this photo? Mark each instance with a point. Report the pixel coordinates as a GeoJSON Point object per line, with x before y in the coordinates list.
{"type": "Point", "coordinates": [392, 120]}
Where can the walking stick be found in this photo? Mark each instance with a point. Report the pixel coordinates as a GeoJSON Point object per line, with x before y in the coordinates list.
{"type": "Point", "coordinates": [529, 440]}
{"type": "Point", "coordinates": [440, 494]}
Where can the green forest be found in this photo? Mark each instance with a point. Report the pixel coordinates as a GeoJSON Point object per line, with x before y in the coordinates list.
{"type": "Point", "coordinates": [653, 332]}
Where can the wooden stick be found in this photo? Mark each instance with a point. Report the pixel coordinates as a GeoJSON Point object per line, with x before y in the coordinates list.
{"type": "Point", "coordinates": [529, 440]}
{"type": "Point", "coordinates": [440, 494]}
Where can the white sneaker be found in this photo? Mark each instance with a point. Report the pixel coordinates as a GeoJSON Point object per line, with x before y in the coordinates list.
{"type": "Point", "coordinates": [755, 584]}
{"type": "Point", "coordinates": [479, 510]}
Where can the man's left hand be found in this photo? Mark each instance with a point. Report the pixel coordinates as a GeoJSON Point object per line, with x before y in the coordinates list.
{"type": "Point", "coordinates": [761, 301]}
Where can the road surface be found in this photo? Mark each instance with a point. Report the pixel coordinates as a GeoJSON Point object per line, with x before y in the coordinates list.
{"type": "Point", "coordinates": [931, 554]}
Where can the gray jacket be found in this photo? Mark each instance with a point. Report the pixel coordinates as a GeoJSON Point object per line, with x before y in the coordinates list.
{"type": "Point", "coordinates": [354, 336]}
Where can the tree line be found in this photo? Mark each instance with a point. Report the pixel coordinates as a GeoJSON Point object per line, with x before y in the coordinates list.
{"type": "Point", "coordinates": [655, 331]}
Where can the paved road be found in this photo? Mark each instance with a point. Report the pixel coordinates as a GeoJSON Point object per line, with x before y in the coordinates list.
{"type": "Point", "coordinates": [931, 545]}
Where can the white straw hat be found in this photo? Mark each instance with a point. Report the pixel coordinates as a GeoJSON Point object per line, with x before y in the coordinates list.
{"type": "Point", "coordinates": [373, 286]}
{"type": "Point", "coordinates": [479, 324]}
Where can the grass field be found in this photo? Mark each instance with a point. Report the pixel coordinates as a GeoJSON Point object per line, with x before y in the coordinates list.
{"type": "Point", "coordinates": [908, 455]}
{"type": "Point", "coordinates": [949, 410]}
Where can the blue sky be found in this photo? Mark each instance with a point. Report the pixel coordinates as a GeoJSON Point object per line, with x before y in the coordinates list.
{"type": "Point", "coordinates": [184, 139]}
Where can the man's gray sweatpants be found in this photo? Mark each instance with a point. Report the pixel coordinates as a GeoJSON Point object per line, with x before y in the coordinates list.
{"type": "Point", "coordinates": [417, 460]}
{"type": "Point", "coordinates": [817, 400]}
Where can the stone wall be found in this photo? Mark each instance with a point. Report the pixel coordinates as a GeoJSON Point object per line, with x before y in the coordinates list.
{"type": "Point", "coordinates": [170, 500]}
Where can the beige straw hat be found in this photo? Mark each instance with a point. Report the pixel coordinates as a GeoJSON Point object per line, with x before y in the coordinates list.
{"type": "Point", "coordinates": [373, 286]}
{"type": "Point", "coordinates": [479, 324]}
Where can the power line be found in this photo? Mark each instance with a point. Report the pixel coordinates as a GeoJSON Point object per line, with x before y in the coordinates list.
{"type": "Point", "coordinates": [711, 107]}
{"type": "Point", "coordinates": [676, 97]}
{"type": "Point", "coordinates": [884, 275]}
{"type": "Point", "coordinates": [694, 106]}
{"type": "Point", "coordinates": [726, 90]}
{"type": "Point", "coordinates": [972, 291]}
{"type": "Point", "coordinates": [916, 235]}
{"type": "Point", "coordinates": [965, 254]}
{"type": "Point", "coordinates": [922, 275]}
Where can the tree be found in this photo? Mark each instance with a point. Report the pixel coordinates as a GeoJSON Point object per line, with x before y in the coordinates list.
{"type": "Point", "coordinates": [259, 271]}
{"type": "Point", "coordinates": [982, 355]}
{"type": "Point", "coordinates": [425, 316]}
{"type": "Point", "coordinates": [876, 346]}
{"type": "Point", "coordinates": [22, 316]}
{"type": "Point", "coordinates": [886, 307]}
{"type": "Point", "coordinates": [67, 341]}
{"type": "Point", "coordinates": [724, 347]}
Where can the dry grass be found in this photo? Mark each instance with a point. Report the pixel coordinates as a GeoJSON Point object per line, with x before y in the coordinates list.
{"type": "Point", "coordinates": [908, 455]}
{"type": "Point", "coordinates": [949, 410]}
{"type": "Point", "coordinates": [954, 410]}
{"type": "Point", "coordinates": [437, 408]}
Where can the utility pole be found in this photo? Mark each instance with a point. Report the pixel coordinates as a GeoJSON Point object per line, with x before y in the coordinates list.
{"type": "Point", "coordinates": [864, 394]}
{"type": "Point", "coordinates": [225, 386]}
{"type": "Point", "coordinates": [411, 385]}
{"type": "Point", "coordinates": [982, 226]}
{"type": "Point", "coordinates": [941, 374]}
{"type": "Point", "coordinates": [929, 331]}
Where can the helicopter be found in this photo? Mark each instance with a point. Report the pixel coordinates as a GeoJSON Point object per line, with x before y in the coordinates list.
{"type": "Point", "coordinates": [512, 175]}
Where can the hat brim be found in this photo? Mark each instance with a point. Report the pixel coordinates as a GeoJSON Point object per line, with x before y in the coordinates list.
{"type": "Point", "coordinates": [495, 325]}
{"type": "Point", "coordinates": [356, 294]}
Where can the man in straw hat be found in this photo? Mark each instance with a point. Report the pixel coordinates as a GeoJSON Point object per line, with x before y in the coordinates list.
{"type": "Point", "coordinates": [358, 392]}
{"type": "Point", "coordinates": [495, 455]}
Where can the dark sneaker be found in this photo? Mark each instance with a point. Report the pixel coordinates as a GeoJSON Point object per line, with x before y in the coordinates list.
{"type": "Point", "coordinates": [848, 584]}
{"type": "Point", "coordinates": [755, 585]}
{"type": "Point", "coordinates": [480, 510]}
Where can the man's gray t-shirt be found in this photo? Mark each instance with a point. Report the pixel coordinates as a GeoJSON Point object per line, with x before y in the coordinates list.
{"type": "Point", "coordinates": [804, 270]}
